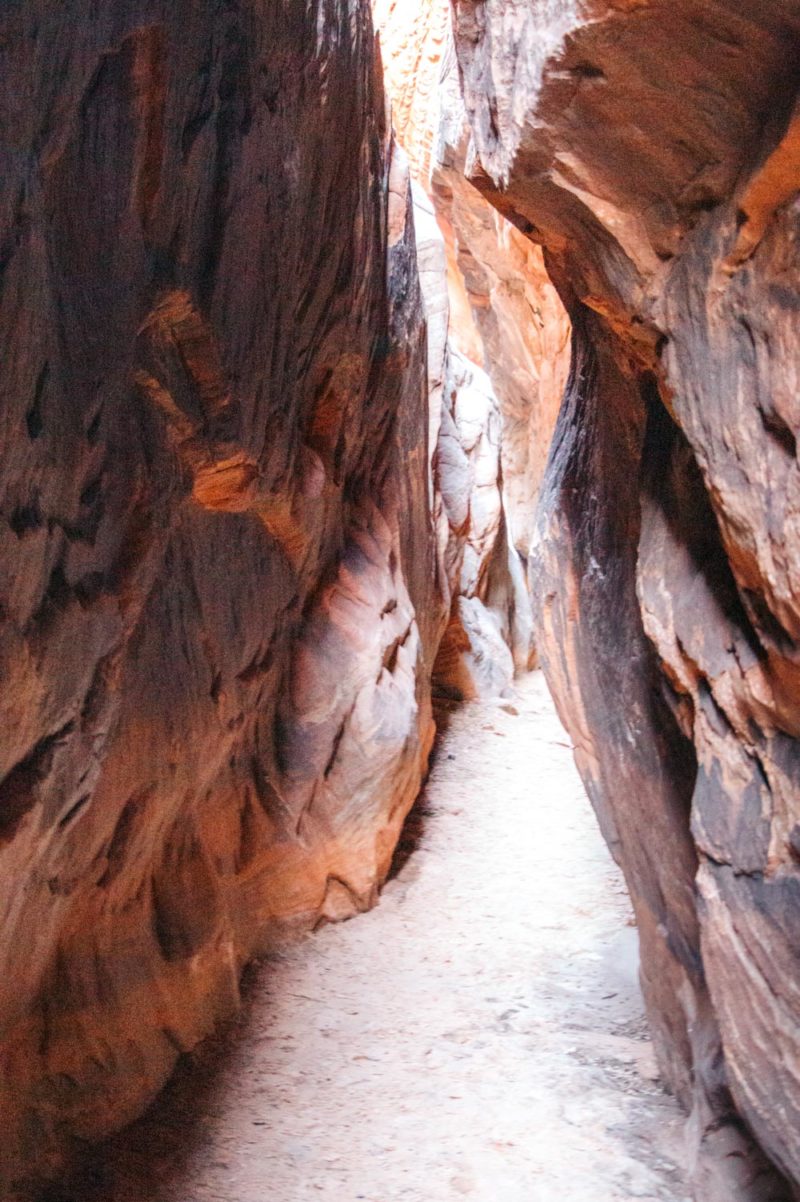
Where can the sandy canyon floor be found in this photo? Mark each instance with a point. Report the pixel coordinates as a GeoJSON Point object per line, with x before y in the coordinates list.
{"type": "Point", "coordinates": [479, 1035]}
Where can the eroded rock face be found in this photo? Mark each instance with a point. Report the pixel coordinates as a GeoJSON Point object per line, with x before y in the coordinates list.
{"type": "Point", "coordinates": [652, 150]}
{"type": "Point", "coordinates": [417, 54]}
{"type": "Point", "coordinates": [474, 658]}
{"type": "Point", "coordinates": [482, 281]}
{"type": "Point", "coordinates": [489, 631]}
{"type": "Point", "coordinates": [218, 598]}
{"type": "Point", "coordinates": [509, 319]}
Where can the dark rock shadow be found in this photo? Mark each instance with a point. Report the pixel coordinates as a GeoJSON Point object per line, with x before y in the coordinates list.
{"type": "Point", "coordinates": [413, 831]}
{"type": "Point", "coordinates": [143, 1161]}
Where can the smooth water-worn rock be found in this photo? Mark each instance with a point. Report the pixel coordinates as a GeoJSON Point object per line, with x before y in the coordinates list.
{"type": "Point", "coordinates": [260, 478]}
{"type": "Point", "coordinates": [652, 149]}
{"type": "Point", "coordinates": [218, 597]}
{"type": "Point", "coordinates": [482, 281]}
{"type": "Point", "coordinates": [506, 307]}
{"type": "Point", "coordinates": [489, 627]}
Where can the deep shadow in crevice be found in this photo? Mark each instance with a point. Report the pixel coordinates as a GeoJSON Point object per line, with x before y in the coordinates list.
{"type": "Point", "coordinates": [414, 827]}
{"type": "Point", "coordinates": [146, 1158]}
{"type": "Point", "coordinates": [672, 481]}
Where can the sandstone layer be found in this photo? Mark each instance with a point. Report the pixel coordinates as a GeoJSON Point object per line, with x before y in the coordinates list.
{"type": "Point", "coordinates": [509, 318]}
{"type": "Point", "coordinates": [418, 55]}
{"type": "Point", "coordinates": [651, 148]}
{"type": "Point", "coordinates": [498, 354]}
{"type": "Point", "coordinates": [218, 599]}
{"type": "Point", "coordinates": [489, 627]}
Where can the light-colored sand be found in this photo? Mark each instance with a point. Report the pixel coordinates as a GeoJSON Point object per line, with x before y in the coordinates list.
{"type": "Point", "coordinates": [479, 1035]}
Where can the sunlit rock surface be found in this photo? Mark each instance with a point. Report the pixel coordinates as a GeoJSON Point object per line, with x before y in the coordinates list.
{"type": "Point", "coordinates": [652, 150]}
{"type": "Point", "coordinates": [489, 634]}
{"type": "Point", "coordinates": [475, 563]}
{"type": "Point", "coordinates": [475, 659]}
{"type": "Point", "coordinates": [491, 309]}
{"type": "Point", "coordinates": [218, 594]}
{"type": "Point", "coordinates": [417, 54]}
{"type": "Point", "coordinates": [509, 318]}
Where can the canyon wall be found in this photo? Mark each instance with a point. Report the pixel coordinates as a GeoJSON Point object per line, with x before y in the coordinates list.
{"type": "Point", "coordinates": [262, 478]}
{"type": "Point", "coordinates": [652, 150]}
{"type": "Point", "coordinates": [219, 607]}
{"type": "Point", "coordinates": [498, 356]}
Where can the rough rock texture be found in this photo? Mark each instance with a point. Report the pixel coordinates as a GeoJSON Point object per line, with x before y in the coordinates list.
{"type": "Point", "coordinates": [482, 282]}
{"type": "Point", "coordinates": [490, 628]}
{"type": "Point", "coordinates": [652, 149]}
{"type": "Point", "coordinates": [487, 633]}
{"type": "Point", "coordinates": [505, 314]}
{"type": "Point", "coordinates": [218, 600]}
{"type": "Point", "coordinates": [508, 316]}
{"type": "Point", "coordinates": [418, 56]}
{"type": "Point", "coordinates": [474, 657]}
{"type": "Point", "coordinates": [510, 321]}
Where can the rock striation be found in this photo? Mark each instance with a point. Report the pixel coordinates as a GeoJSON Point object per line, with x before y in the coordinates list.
{"type": "Point", "coordinates": [219, 607]}
{"type": "Point", "coordinates": [651, 149]}
{"type": "Point", "coordinates": [488, 632]}
{"type": "Point", "coordinates": [276, 403]}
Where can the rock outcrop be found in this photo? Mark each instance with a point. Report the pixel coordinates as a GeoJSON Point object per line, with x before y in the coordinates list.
{"type": "Point", "coordinates": [488, 632]}
{"type": "Point", "coordinates": [651, 148]}
{"type": "Point", "coordinates": [218, 599]}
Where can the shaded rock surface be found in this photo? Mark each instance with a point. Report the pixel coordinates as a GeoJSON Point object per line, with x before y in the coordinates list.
{"type": "Point", "coordinates": [651, 149]}
{"type": "Point", "coordinates": [218, 598]}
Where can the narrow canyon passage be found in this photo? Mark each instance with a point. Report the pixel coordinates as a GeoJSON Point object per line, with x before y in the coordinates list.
{"type": "Point", "coordinates": [357, 352]}
{"type": "Point", "coordinates": [480, 1034]}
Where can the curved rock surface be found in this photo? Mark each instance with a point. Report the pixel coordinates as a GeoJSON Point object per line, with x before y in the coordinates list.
{"type": "Point", "coordinates": [498, 354]}
{"type": "Point", "coordinates": [508, 318]}
{"type": "Point", "coordinates": [218, 599]}
{"type": "Point", "coordinates": [241, 525]}
{"type": "Point", "coordinates": [489, 628]}
{"type": "Point", "coordinates": [651, 148]}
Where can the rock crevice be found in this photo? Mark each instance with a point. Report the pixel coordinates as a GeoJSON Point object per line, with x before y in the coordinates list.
{"type": "Point", "coordinates": [284, 445]}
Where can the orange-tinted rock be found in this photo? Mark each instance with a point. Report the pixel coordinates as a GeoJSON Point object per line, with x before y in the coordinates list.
{"type": "Point", "coordinates": [417, 50]}
{"type": "Point", "coordinates": [508, 318]}
{"type": "Point", "coordinates": [650, 148]}
{"type": "Point", "coordinates": [489, 631]}
{"type": "Point", "coordinates": [218, 608]}
{"type": "Point", "coordinates": [481, 279]}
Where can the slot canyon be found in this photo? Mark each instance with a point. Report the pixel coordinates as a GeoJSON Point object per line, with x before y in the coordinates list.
{"type": "Point", "coordinates": [400, 523]}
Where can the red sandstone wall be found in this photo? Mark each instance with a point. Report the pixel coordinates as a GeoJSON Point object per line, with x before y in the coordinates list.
{"type": "Point", "coordinates": [499, 360]}
{"type": "Point", "coordinates": [218, 608]}
{"type": "Point", "coordinates": [651, 149]}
